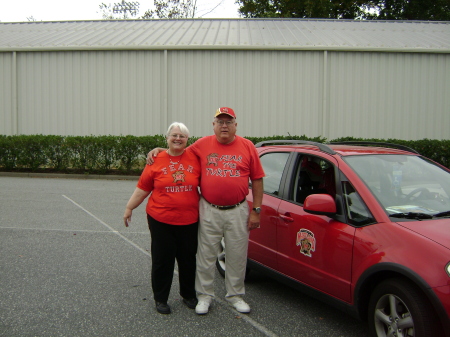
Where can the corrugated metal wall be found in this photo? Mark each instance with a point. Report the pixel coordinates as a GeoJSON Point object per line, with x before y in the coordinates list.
{"type": "Point", "coordinates": [316, 93]}
{"type": "Point", "coordinates": [389, 95]}
{"type": "Point", "coordinates": [272, 92]}
{"type": "Point", "coordinates": [83, 93]}
{"type": "Point", "coordinates": [7, 125]}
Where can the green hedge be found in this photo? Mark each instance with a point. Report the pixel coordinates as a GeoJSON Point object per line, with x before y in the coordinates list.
{"type": "Point", "coordinates": [79, 154]}
{"type": "Point", "coordinates": [126, 154]}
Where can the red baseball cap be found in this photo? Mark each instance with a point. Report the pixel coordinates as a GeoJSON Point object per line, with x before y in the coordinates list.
{"type": "Point", "coordinates": [226, 111]}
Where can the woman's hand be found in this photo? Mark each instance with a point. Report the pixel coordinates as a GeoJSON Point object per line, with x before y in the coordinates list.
{"type": "Point", "coordinates": [127, 217]}
{"type": "Point", "coordinates": [136, 199]}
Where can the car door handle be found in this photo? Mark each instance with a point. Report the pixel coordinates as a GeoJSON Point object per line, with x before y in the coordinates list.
{"type": "Point", "coordinates": [286, 217]}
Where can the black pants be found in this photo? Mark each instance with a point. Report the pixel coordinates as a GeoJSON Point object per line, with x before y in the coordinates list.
{"type": "Point", "coordinates": [170, 242]}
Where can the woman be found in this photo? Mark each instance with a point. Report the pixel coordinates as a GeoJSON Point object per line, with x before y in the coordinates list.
{"type": "Point", "coordinates": [172, 215]}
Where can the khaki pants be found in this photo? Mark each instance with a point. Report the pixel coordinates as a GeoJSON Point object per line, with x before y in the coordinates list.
{"type": "Point", "coordinates": [232, 226]}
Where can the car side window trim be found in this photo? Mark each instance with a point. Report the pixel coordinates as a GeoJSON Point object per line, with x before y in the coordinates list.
{"type": "Point", "coordinates": [274, 164]}
{"type": "Point", "coordinates": [312, 175]}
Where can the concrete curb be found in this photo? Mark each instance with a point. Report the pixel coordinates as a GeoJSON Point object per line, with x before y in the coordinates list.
{"type": "Point", "coordinates": [67, 176]}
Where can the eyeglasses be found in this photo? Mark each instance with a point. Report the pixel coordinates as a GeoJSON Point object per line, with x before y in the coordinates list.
{"type": "Point", "coordinates": [222, 122]}
{"type": "Point", "coordinates": [178, 136]}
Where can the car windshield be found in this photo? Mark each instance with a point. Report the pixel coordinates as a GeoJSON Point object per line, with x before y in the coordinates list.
{"type": "Point", "coordinates": [406, 186]}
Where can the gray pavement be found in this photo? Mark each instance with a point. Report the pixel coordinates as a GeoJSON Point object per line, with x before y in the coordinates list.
{"type": "Point", "coordinates": [69, 267]}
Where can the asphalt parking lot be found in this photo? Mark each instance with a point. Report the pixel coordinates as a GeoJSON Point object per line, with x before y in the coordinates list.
{"type": "Point", "coordinates": [69, 267]}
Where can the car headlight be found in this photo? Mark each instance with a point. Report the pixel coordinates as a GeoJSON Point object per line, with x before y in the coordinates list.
{"type": "Point", "coordinates": [447, 269]}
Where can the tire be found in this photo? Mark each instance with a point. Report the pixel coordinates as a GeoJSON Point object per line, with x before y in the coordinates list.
{"type": "Point", "coordinates": [220, 262]}
{"type": "Point", "coordinates": [398, 308]}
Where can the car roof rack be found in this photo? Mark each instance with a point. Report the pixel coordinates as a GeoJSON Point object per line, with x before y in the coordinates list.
{"type": "Point", "coordinates": [321, 146]}
{"type": "Point", "coordinates": [395, 146]}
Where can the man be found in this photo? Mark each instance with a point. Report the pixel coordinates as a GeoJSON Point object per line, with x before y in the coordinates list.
{"type": "Point", "coordinates": [227, 163]}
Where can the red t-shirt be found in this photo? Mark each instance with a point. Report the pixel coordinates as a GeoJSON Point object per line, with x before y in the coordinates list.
{"type": "Point", "coordinates": [173, 182]}
{"type": "Point", "coordinates": [226, 169]}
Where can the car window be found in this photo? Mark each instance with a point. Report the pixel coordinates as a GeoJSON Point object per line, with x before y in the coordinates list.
{"type": "Point", "coordinates": [357, 212]}
{"type": "Point", "coordinates": [313, 175]}
{"type": "Point", "coordinates": [404, 183]}
{"type": "Point", "coordinates": [273, 164]}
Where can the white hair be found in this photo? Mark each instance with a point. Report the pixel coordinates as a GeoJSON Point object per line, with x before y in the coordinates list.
{"type": "Point", "coordinates": [183, 129]}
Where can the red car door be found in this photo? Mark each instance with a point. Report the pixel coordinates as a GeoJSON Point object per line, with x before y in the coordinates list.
{"type": "Point", "coordinates": [263, 241]}
{"type": "Point", "coordinates": [262, 245]}
{"type": "Point", "coordinates": [315, 249]}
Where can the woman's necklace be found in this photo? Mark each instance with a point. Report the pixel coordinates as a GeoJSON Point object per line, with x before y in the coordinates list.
{"type": "Point", "coordinates": [171, 160]}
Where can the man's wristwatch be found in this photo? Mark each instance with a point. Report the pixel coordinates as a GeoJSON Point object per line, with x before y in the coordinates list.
{"type": "Point", "coordinates": [257, 209]}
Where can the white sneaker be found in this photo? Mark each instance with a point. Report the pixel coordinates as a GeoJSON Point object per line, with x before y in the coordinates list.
{"type": "Point", "coordinates": [202, 307]}
{"type": "Point", "coordinates": [239, 304]}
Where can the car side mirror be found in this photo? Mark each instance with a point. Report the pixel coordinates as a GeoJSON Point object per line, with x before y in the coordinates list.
{"type": "Point", "coordinates": [320, 204]}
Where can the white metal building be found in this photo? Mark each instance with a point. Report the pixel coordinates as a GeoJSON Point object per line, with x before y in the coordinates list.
{"type": "Point", "coordinates": [330, 78]}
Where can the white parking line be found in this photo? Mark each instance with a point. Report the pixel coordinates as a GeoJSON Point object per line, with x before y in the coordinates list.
{"type": "Point", "coordinates": [247, 318]}
{"type": "Point", "coordinates": [64, 230]}
{"type": "Point", "coordinates": [108, 226]}
{"type": "Point", "coordinates": [225, 304]}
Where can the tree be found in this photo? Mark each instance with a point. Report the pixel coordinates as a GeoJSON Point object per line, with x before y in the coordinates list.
{"type": "Point", "coordinates": [347, 9]}
{"type": "Point", "coordinates": [331, 9]}
{"type": "Point", "coordinates": [172, 9]}
{"type": "Point", "coordinates": [437, 10]}
{"type": "Point", "coordinates": [119, 10]}
{"type": "Point", "coordinates": [164, 9]}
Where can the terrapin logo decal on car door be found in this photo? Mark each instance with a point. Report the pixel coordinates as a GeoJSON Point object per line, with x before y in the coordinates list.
{"type": "Point", "coordinates": [306, 241]}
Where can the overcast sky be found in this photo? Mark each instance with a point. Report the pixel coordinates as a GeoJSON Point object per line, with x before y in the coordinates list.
{"type": "Point", "coordinates": [61, 10]}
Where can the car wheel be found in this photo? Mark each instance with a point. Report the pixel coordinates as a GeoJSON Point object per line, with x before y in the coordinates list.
{"type": "Point", "coordinates": [398, 308]}
{"type": "Point", "coordinates": [220, 262]}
